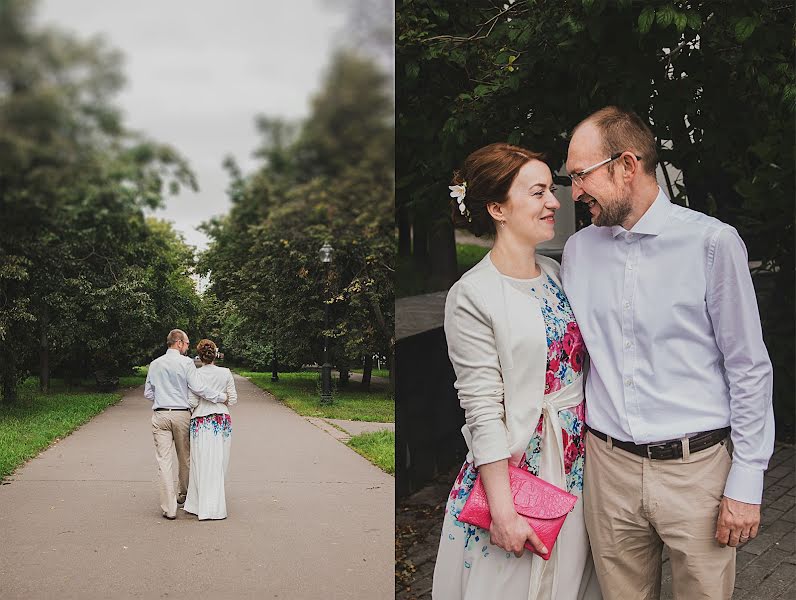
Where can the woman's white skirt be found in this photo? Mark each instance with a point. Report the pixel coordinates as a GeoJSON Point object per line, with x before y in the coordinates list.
{"type": "Point", "coordinates": [211, 437]}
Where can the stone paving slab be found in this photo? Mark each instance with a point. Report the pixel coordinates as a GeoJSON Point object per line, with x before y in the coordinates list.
{"type": "Point", "coordinates": [765, 567]}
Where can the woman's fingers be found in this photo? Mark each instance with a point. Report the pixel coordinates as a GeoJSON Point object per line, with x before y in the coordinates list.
{"type": "Point", "coordinates": [536, 542]}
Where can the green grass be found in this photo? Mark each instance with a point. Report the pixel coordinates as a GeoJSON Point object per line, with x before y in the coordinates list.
{"type": "Point", "coordinates": [468, 255]}
{"type": "Point", "coordinates": [375, 372]}
{"type": "Point", "coordinates": [36, 420]}
{"type": "Point", "coordinates": [378, 447]}
{"type": "Point", "coordinates": [301, 392]}
{"type": "Point", "coordinates": [129, 381]}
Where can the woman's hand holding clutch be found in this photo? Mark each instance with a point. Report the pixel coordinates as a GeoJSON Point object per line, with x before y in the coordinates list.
{"type": "Point", "coordinates": [510, 532]}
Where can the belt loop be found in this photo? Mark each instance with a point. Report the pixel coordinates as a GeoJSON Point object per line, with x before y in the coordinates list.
{"type": "Point", "coordinates": [686, 448]}
{"type": "Point", "coordinates": [610, 441]}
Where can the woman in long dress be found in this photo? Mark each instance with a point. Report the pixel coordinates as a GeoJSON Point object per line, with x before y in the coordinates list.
{"type": "Point", "coordinates": [211, 436]}
{"type": "Point", "coordinates": [519, 361]}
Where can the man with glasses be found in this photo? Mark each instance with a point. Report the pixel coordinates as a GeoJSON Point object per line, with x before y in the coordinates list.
{"type": "Point", "coordinates": [167, 383]}
{"type": "Point", "coordinates": [679, 391]}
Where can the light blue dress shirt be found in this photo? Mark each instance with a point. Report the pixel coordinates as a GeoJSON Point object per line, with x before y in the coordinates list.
{"type": "Point", "coordinates": [670, 320]}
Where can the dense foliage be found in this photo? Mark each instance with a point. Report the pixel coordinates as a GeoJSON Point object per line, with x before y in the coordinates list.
{"type": "Point", "coordinates": [87, 283]}
{"type": "Point", "coordinates": [328, 179]}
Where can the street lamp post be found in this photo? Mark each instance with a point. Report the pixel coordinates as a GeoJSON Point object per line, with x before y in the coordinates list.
{"type": "Point", "coordinates": [325, 254]}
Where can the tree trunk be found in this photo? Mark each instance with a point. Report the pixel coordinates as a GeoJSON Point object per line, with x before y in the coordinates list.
{"type": "Point", "coordinates": [419, 239]}
{"type": "Point", "coordinates": [9, 377]}
{"type": "Point", "coordinates": [344, 375]}
{"type": "Point", "coordinates": [44, 354]}
{"type": "Point", "coordinates": [404, 232]}
{"type": "Point", "coordinates": [442, 251]}
{"type": "Point", "coordinates": [367, 371]}
{"type": "Point", "coordinates": [274, 370]}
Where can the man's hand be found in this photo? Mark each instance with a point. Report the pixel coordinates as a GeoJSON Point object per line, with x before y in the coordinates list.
{"type": "Point", "coordinates": [738, 522]}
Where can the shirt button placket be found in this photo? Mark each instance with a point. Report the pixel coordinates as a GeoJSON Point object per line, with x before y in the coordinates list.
{"type": "Point", "coordinates": [628, 331]}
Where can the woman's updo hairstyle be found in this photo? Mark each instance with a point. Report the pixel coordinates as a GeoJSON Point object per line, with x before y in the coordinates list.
{"type": "Point", "coordinates": [488, 174]}
{"type": "Point", "coordinates": [207, 351]}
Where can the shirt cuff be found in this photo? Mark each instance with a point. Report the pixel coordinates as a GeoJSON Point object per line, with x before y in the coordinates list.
{"type": "Point", "coordinates": [744, 484]}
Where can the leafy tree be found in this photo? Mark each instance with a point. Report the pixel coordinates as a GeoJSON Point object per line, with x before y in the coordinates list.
{"type": "Point", "coordinates": [78, 278]}
{"type": "Point", "coordinates": [331, 180]}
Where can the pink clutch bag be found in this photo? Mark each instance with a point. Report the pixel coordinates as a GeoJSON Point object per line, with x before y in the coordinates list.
{"type": "Point", "coordinates": [544, 505]}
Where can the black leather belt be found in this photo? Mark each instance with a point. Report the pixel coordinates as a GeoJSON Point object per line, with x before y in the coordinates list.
{"type": "Point", "coordinates": [172, 409]}
{"type": "Point", "coordinates": [670, 449]}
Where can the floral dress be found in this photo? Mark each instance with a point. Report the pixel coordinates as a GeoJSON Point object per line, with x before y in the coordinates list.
{"type": "Point", "coordinates": [566, 355]}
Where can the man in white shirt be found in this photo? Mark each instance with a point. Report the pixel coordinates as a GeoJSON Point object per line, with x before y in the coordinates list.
{"type": "Point", "coordinates": [167, 384]}
{"type": "Point", "coordinates": [666, 307]}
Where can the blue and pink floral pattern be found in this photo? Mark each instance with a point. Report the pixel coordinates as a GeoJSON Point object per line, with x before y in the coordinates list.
{"type": "Point", "coordinates": [218, 424]}
{"type": "Point", "coordinates": [565, 350]}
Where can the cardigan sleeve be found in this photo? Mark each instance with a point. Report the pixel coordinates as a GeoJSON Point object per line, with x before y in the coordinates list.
{"type": "Point", "coordinates": [232, 393]}
{"type": "Point", "coordinates": [479, 380]}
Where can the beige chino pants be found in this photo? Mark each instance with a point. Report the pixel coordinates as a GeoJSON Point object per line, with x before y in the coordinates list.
{"type": "Point", "coordinates": [634, 505]}
{"type": "Point", "coordinates": [171, 430]}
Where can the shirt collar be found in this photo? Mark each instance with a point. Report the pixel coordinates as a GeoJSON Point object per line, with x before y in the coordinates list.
{"type": "Point", "coordinates": [172, 350]}
{"type": "Point", "coordinates": [652, 221]}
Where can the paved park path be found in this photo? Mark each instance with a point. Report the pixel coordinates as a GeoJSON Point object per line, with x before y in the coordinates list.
{"type": "Point", "coordinates": [308, 517]}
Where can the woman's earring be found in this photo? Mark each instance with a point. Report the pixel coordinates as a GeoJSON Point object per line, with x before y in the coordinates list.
{"type": "Point", "coordinates": [503, 224]}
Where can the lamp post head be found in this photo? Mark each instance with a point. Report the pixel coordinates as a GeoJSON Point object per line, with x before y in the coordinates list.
{"type": "Point", "coordinates": [325, 253]}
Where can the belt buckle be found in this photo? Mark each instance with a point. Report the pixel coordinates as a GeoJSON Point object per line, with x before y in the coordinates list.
{"type": "Point", "coordinates": [650, 446]}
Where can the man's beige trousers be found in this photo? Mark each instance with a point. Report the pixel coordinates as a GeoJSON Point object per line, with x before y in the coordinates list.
{"type": "Point", "coordinates": [171, 432]}
{"type": "Point", "coordinates": [634, 505]}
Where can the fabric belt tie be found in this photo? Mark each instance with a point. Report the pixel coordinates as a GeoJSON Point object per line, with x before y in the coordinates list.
{"type": "Point", "coordinates": [172, 409]}
{"type": "Point", "coordinates": [670, 449]}
{"type": "Point", "coordinates": [551, 469]}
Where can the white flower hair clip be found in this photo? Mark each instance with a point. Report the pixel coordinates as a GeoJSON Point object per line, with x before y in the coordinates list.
{"type": "Point", "coordinates": [459, 192]}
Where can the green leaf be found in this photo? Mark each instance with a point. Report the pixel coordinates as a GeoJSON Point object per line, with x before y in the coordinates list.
{"type": "Point", "coordinates": [441, 13]}
{"type": "Point", "coordinates": [482, 90]}
{"type": "Point", "coordinates": [694, 20]}
{"type": "Point", "coordinates": [665, 16]}
{"type": "Point", "coordinates": [514, 137]}
{"type": "Point", "coordinates": [680, 21]}
{"type": "Point", "coordinates": [412, 70]}
{"type": "Point", "coordinates": [646, 18]}
{"type": "Point", "coordinates": [512, 59]}
{"type": "Point", "coordinates": [587, 4]}
{"type": "Point", "coordinates": [745, 28]}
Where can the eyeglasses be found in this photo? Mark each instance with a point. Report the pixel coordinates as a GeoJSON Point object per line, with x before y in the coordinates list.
{"type": "Point", "coordinates": [577, 178]}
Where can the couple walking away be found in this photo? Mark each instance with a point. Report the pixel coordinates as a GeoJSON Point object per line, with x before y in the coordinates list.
{"type": "Point", "coordinates": [191, 415]}
{"type": "Point", "coordinates": [652, 317]}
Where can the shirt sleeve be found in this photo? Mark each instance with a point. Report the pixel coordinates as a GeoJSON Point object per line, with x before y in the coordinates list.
{"type": "Point", "coordinates": [149, 388]}
{"type": "Point", "coordinates": [479, 380]}
{"type": "Point", "coordinates": [198, 386]}
{"type": "Point", "coordinates": [732, 306]}
{"type": "Point", "coordinates": [232, 393]}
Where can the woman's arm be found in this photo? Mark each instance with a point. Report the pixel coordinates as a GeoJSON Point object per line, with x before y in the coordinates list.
{"type": "Point", "coordinates": [232, 393]}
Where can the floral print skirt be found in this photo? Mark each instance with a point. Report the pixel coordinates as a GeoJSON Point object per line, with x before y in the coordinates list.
{"type": "Point", "coordinates": [470, 567]}
{"type": "Point", "coordinates": [211, 437]}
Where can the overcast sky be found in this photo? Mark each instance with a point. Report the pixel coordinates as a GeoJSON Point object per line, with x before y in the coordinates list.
{"type": "Point", "coordinates": [199, 71]}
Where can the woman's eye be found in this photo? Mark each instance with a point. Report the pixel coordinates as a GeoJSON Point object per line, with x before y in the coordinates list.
{"type": "Point", "coordinates": [553, 190]}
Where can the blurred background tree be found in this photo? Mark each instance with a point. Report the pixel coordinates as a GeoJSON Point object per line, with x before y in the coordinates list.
{"type": "Point", "coordinates": [87, 283]}
{"type": "Point", "coordinates": [327, 179]}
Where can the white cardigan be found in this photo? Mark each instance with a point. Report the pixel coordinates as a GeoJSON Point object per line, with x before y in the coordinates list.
{"type": "Point", "coordinates": [218, 379]}
{"type": "Point", "coordinates": [498, 347]}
